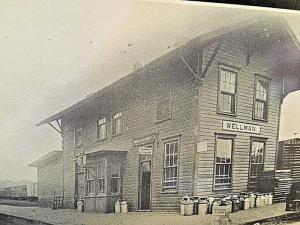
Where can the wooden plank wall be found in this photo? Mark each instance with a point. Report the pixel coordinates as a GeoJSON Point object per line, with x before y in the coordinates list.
{"type": "Point", "coordinates": [50, 181]}
{"type": "Point", "coordinates": [210, 122]}
{"type": "Point", "coordinates": [139, 119]}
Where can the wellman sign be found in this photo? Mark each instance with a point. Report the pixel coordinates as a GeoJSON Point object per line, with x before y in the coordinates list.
{"type": "Point", "coordinates": [241, 127]}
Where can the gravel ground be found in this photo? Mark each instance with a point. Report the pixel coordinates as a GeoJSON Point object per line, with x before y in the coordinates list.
{"type": "Point", "coordinates": [71, 217]}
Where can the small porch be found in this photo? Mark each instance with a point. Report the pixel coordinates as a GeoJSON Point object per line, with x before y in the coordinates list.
{"type": "Point", "coordinates": [99, 179]}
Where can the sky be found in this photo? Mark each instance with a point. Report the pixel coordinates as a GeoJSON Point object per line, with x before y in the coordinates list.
{"type": "Point", "coordinates": [54, 52]}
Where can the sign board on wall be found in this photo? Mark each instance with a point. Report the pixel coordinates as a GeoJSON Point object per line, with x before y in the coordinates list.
{"type": "Point", "coordinates": [145, 150]}
{"type": "Point", "coordinates": [202, 146]}
{"type": "Point", "coordinates": [241, 127]}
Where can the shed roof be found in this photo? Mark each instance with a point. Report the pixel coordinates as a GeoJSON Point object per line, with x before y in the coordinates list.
{"type": "Point", "coordinates": [201, 40]}
{"type": "Point", "coordinates": [47, 158]}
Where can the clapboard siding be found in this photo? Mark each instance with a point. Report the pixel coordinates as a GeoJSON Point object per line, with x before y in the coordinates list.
{"type": "Point", "coordinates": [139, 119]}
{"type": "Point", "coordinates": [50, 182]}
{"type": "Point", "coordinates": [210, 122]}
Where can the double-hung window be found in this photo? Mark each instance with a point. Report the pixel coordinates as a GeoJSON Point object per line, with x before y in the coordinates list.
{"type": "Point", "coordinates": [223, 163]}
{"type": "Point", "coordinates": [100, 182]}
{"type": "Point", "coordinates": [117, 124]}
{"type": "Point", "coordinates": [101, 133]}
{"type": "Point", "coordinates": [257, 157]}
{"type": "Point", "coordinates": [227, 91]}
{"type": "Point", "coordinates": [78, 136]}
{"type": "Point", "coordinates": [260, 109]}
{"type": "Point", "coordinates": [90, 180]}
{"type": "Point", "coordinates": [164, 109]}
{"type": "Point", "coordinates": [170, 177]}
{"type": "Point", "coordinates": [115, 179]}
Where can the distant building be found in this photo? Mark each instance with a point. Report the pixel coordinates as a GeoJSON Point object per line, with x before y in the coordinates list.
{"type": "Point", "coordinates": [49, 178]}
{"type": "Point", "coordinates": [289, 157]}
{"type": "Point", "coordinates": [201, 120]}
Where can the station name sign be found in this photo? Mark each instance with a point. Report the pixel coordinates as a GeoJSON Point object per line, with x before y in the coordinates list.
{"type": "Point", "coordinates": [241, 127]}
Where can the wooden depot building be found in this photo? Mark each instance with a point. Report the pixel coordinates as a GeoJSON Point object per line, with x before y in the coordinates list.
{"type": "Point", "coordinates": [200, 120]}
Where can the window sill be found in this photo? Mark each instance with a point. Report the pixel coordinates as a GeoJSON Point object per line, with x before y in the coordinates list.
{"type": "Point", "coordinates": [260, 120]}
{"type": "Point", "coordinates": [227, 114]}
{"type": "Point", "coordinates": [169, 192]}
{"type": "Point", "coordinates": [224, 189]}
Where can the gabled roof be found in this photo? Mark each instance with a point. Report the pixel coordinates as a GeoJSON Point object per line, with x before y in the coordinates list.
{"type": "Point", "coordinates": [202, 40]}
{"type": "Point", "coordinates": [54, 155]}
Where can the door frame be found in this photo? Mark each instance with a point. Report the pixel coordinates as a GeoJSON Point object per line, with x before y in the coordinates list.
{"type": "Point", "coordinates": [139, 177]}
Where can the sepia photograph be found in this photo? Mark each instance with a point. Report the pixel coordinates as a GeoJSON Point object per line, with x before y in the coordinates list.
{"type": "Point", "coordinates": [159, 112]}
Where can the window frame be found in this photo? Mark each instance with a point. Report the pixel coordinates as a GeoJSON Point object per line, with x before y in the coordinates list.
{"type": "Point", "coordinates": [168, 189]}
{"type": "Point", "coordinates": [159, 101]}
{"type": "Point", "coordinates": [104, 178]}
{"type": "Point", "coordinates": [257, 78]}
{"type": "Point", "coordinates": [115, 117]}
{"type": "Point", "coordinates": [87, 192]}
{"type": "Point", "coordinates": [119, 177]}
{"type": "Point", "coordinates": [226, 137]}
{"type": "Point", "coordinates": [256, 139]}
{"type": "Point", "coordinates": [75, 137]}
{"type": "Point", "coordinates": [98, 128]}
{"type": "Point", "coordinates": [233, 70]}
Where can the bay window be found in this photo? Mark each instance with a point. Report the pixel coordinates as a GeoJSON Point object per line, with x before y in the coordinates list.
{"type": "Point", "coordinates": [101, 174]}
{"type": "Point", "coordinates": [90, 180]}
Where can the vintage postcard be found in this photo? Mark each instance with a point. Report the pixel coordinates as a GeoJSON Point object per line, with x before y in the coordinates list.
{"type": "Point", "coordinates": [149, 112]}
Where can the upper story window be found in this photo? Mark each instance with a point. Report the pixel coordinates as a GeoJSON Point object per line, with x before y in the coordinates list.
{"type": "Point", "coordinates": [164, 107]}
{"type": "Point", "coordinates": [117, 124]}
{"type": "Point", "coordinates": [261, 99]}
{"type": "Point", "coordinates": [78, 136]}
{"type": "Point", "coordinates": [102, 129]}
{"type": "Point", "coordinates": [170, 176]}
{"type": "Point", "coordinates": [227, 91]}
{"type": "Point", "coordinates": [223, 163]}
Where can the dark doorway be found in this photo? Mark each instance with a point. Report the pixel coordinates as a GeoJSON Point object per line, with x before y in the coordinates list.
{"type": "Point", "coordinates": [145, 189]}
{"type": "Point", "coordinates": [145, 185]}
{"type": "Point", "coordinates": [79, 184]}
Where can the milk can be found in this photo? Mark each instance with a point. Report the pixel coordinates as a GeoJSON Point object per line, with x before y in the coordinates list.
{"type": "Point", "coordinates": [252, 200]}
{"type": "Point", "coordinates": [203, 206]}
{"type": "Point", "coordinates": [186, 206]}
{"type": "Point", "coordinates": [195, 205]}
{"type": "Point", "coordinates": [270, 199]}
{"type": "Point", "coordinates": [246, 203]}
{"type": "Point", "coordinates": [266, 202]}
{"type": "Point", "coordinates": [241, 203]}
{"type": "Point", "coordinates": [235, 204]}
{"type": "Point", "coordinates": [258, 201]}
{"type": "Point", "coordinates": [124, 206]}
{"type": "Point", "coordinates": [80, 206]}
{"type": "Point", "coordinates": [210, 204]}
{"type": "Point", "coordinates": [118, 206]}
